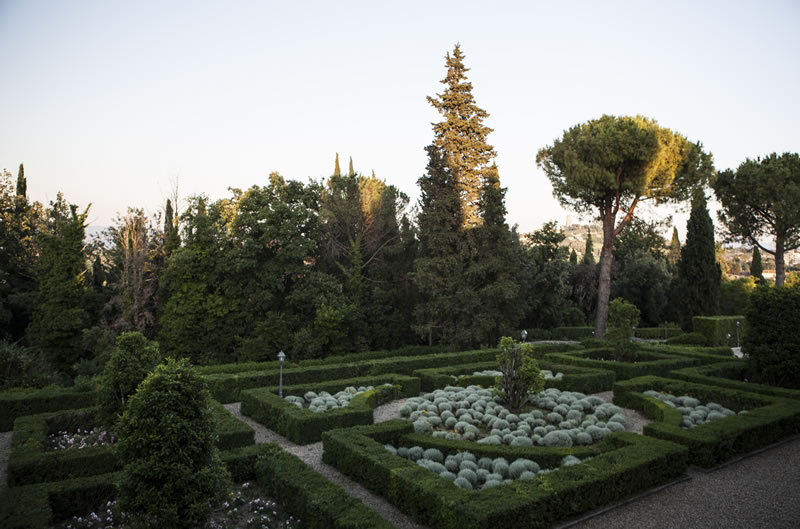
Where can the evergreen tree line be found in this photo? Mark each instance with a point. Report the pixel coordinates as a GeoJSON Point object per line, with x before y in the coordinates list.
{"type": "Point", "coordinates": [345, 264]}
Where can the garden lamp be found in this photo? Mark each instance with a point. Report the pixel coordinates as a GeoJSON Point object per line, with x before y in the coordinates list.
{"type": "Point", "coordinates": [737, 334]}
{"type": "Point", "coordinates": [524, 335]}
{"type": "Point", "coordinates": [281, 357]}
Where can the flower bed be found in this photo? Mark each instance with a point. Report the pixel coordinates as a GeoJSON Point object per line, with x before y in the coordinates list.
{"type": "Point", "coordinates": [475, 414]}
{"type": "Point", "coordinates": [622, 464]}
{"type": "Point", "coordinates": [768, 419]}
{"type": "Point", "coordinates": [693, 412]}
{"type": "Point", "coordinates": [64, 440]}
{"type": "Point", "coordinates": [324, 401]}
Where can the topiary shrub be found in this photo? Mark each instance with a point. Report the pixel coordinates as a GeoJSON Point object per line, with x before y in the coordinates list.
{"type": "Point", "coordinates": [131, 361]}
{"type": "Point", "coordinates": [173, 474]}
{"type": "Point", "coordinates": [772, 341]}
{"type": "Point", "coordinates": [521, 374]}
{"type": "Point", "coordinates": [622, 318]}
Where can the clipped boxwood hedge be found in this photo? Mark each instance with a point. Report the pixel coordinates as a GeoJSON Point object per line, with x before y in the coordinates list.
{"type": "Point", "coordinates": [657, 333]}
{"type": "Point", "coordinates": [731, 374]}
{"type": "Point", "coordinates": [652, 362]}
{"type": "Point", "coordinates": [583, 379]}
{"type": "Point", "coordinates": [768, 420]}
{"type": "Point", "coordinates": [30, 462]}
{"type": "Point", "coordinates": [717, 328]}
{"type": "Point", "coordinates": [304, 426]}
{"type": "Point", "coordinates": [20, 402]}
{"type": "Point", "coordinates": [226, 387]}
{"type": "Point", "coordinates": [572, 333]}
{"type": "Point", "coordinates": [630, 464]}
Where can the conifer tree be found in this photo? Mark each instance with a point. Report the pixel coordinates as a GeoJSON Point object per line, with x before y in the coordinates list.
{"type": "Point", "coordinates": [22, 183]}
{"type": "Point", "coordinates": [461, 137]}
{"type": "Point", "coordinates": [588, 252]}
{"type": "Point", "coordinates": [351, 172]}
{"type": "Point", "coordinates": [756, 268]}
{"type": "Point", "coordinates": [674, 248]}
{"type": "Point", "coordinates": [337, 171]}
{"type": "Point", "coordinates": [699, 274]}
{"type": "Point", "coordinates": [573, 257]}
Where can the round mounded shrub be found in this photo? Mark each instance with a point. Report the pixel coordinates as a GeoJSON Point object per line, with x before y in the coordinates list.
{"type": "Point", "coordinates": [172, 470]}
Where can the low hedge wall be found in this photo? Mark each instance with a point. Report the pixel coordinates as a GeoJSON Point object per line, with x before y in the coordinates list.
{"type": "Point", "coordinates": [731, 375]}
{"type": "Point", "coordinates": [31, 462]}
{"type": "Point", "coordinates": [652, 363]}
{"type": "Point", "coordinates": [583, 379]}
{"type": "Point", "coordinates": [630, 464]}
{"type": "Point", "coordinates": [657, 333]}
{"type": "Point", "coordinates": [768, 420]}
{"type": "Point", "coordinates": [20, 402]}
{"type": "Point", "coordinates": [304, 426]}
{"type": "Point", "coordinates": [226, 387]}
{"type": "Point", "coordinates": [572, 333]}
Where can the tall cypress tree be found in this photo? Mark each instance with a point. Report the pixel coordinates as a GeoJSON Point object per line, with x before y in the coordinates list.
{"type": "Point", "coordinates": [22, 183]}
{"type": "Point", "coordinates": [461, 137]}
{"type": "Point", "coordinates": [588, 252]}
{"type": "Point", "coordinates": [699, 274]}
{"type": "Point", "coordinates": [351, 172]}
{"type": "Point", "coordinates": [674, 254]}
{"type": "Point", "coordinates": [337, 171]}
{"type": "Point", "coordinates": [756, 268]}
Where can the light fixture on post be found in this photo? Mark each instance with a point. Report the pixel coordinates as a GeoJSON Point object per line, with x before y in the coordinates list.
{"type": "Point", "coordinates": [524, 335]}
{"type": "Point", "coordinates": [281, 357]}
{"type": "Point", "coordinates": [737, 334]}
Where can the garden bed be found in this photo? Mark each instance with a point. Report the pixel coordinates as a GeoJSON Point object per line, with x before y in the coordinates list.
{"type": "Point", "coordinates": [731, 374]}
{"type": "Point", "coordinates": [303, 426]}
{"type": "Point", "coordinates": [652, 362]}
{"type": "Point", "coordinates": [621, 465]}
{"type": "Point", "coordinates": [768, 419]}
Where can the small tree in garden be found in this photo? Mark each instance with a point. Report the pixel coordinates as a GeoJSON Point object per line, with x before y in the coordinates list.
{"type": "Point", "coordinates": [622, 318]}
{"type": "Point", "coordinates": [131, 361]}
{"type": "Point", "coordinates": [521, 374]}
{"type": "Point", "coordinates": [173, 473]}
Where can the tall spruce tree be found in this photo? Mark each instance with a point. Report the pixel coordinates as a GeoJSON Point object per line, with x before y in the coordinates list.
{"type": "Point", "coordinates": [461, 138]}
{"type": "Point", "coordinates": [337, 171]}
{"type": "Point", "coordinates": [699, 274]}
{"type": "Point", "coordinates": [350, 170]}
{"type": "Point", "coordinates": [588, 252]}
{"type": "Point", "coordinates": [756, 268]}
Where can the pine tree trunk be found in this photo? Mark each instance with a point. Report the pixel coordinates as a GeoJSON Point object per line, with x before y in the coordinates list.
{"type": "Point", "coordinates": [780, 268]}
{"type": "Point", "coordinates": [604, 282]}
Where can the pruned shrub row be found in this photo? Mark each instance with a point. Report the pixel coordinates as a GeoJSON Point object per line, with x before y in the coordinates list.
{"type": "Point", "coordinates": [647, 362]}
{"type": "Point", "coordinates": [731, 374]}
{"type": "Point", "coordinates": [717, 329]}
{"type": "Point", "coordinates": [20, 402]}
{"type": "Point", "coordinates": [768, 419]}
{"type": "Point", "coordinates": [631, 463]}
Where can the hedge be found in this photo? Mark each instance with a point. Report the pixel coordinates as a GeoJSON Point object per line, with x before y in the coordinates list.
{"type": "Point", "coordinates": [242, 367]}
{"type": "Point", "coordinates": [582, 379]}
{"type": "Point", "coordinates": [657, 333]}
{"type": "Point", "coordinates": [303, 426]}
{"type": "Point", "coordinates": [572, 333]}
{"type": "Point", "coordinates": [226, 387]}
{"type": "Point", "coordinates": [629, 464]}
{"type": "Point", "coordinates": [716, 329]}
{"type": "Point", "coordinates": [705, 355]}
{"type": "Point", "coordinates": [31, 462]}
{"type": "Point", "coordinates": [768, 419]}
{"type": "Point", "coordinates": [731, 374]}
{"type": "Point", "coordinates": [20, 402]}
{"type": "Point", "coordinates": [651, 363]}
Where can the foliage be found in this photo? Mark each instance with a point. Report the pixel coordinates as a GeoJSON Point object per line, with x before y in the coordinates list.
{"type": "Point", "coordinates": [756, 268]}
{"type": "Point", "coordinates": [521, 375]}
{"type": "Point", "coordinates": [622, 318]}
{"type": "Point", "coordinates": [699, 274]}
{"type": "Point", "coordinates": [638, 237]}
{"type": "Point", "coordinates": [588, 251]}
{"type": "Point", "coordinates": [772, 341]}
{"type": "Point", "coordinates": [610, 165]}
{"type": "Point", "coordinates": [22, 367]}
{"type": "Point", "coordinates": [644, 280]}
{"type": "Point", "coordinates": [59, 315]}
{"type": "Point", "coordinates": [734, 296]}
{"type": "Point", "coordinates": [173, 473]}
{"type": "Point", "coordinates": [131, 361]}
{"type": "Point", "coordinates": [760, 200]}
{"type": "Point", "coordinates": [674, 254]}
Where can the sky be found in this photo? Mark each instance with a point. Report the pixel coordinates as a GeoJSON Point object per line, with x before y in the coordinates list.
{"type": "Point", "coordinates": [113, 102]}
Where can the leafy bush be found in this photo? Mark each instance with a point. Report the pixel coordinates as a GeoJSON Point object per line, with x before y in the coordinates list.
{"type": "Point", "coordinates": [622, 318]}
{"type": "Point", "coordinates": [21, 367]}
{"type": "Point", "coordinates": [521, 374]}
{"type": "Point", "coordinates": [131, 361]}
{"type": "Point", "coordinates": [173, 471]}
{"type": "Point", "coordinates": [772, 341]}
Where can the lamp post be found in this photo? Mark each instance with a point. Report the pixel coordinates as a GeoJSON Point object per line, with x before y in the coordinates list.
{"type": "Point", "coordinates": [281, 357]}
{"type": "Point", "coordinates": [737, 334]}
{"type": "Point", "coordinates": [524, 335]}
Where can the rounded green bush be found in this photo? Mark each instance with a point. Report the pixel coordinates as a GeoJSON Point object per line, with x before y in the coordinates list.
{"type": "Point", "coordinates": [463, 483]}
{"type": "Point", "coordinates": [172, 470]}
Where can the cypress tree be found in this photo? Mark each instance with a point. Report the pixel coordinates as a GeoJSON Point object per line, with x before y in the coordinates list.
{"type": "Point", "coordinates": [699, 274]}
{"type": "Point", "coordinates": [674, 248]}
{"type": "Point", "coordinates": [588, 252]}
{"type": "Point", "coordinates": [22, 183]}
{"type": "Point", "coordinates": [337, 171]}
{"type": "Point", "coordinates": [461, 137]}
{"type": "Point", "coordinates": [573, 257]}
{"type": "Point", "coordinates": [351, 172]}
{"type": "Point", "coordinates": [756, 268]}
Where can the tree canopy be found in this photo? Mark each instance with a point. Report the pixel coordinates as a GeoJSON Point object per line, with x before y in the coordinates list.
{"type": "Point", "coordinates": [761, 199]}
{"type": "Point", "coordinates": [608, 165]}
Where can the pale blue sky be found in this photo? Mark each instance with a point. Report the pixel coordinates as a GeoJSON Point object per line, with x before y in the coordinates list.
{"type": "Point", "coordinates": [107, 100]}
